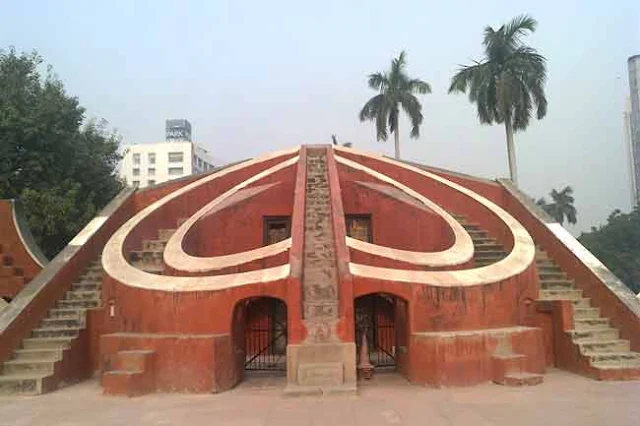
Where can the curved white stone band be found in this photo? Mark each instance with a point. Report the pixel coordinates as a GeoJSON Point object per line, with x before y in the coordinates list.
{"type": "Point", "coordinates": [461, 251]}
{"type": "Point", "coordinates": [520, 257]}
{"type": "Point", "coordinates": [116, 266]}
{"type": "Point", "coordinates": [177, 258]}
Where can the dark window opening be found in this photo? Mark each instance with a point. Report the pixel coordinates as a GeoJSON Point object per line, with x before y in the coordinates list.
{"type": "Point", "coordinates": [276, 229]}
{"type": "Point", "coordinates": [359, 227]}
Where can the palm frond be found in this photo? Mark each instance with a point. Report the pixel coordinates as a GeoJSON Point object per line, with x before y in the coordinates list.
{"type": "Point", "coordinates": [517, 27]}
{"type": "Point", "coordinates": [412, 107]}
{"type": "Point", "coordinates": [378, 81]}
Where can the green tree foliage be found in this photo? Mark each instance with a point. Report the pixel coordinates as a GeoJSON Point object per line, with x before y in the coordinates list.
{"type": "Point", "coordinates": [396, 90]}
{"type": "Point", "coordinates": [617, 245]}
{"type": "Point", "coordinates": [61, 169]}
{"type": "Point", "coordinates": [561, 205]}
{"type": "Point", "coordinates": [507, 82]}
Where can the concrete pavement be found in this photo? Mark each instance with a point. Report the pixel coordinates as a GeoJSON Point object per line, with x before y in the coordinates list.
{"type": "Point", "coordinates": [563, 399]}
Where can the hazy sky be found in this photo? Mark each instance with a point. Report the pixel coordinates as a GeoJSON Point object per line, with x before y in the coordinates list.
{"type": "Point", "coordinates": [257, 76]}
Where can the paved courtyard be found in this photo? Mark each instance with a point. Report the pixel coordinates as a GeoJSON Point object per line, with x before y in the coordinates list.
{"type": "Point", "coordinates": [563, 399]}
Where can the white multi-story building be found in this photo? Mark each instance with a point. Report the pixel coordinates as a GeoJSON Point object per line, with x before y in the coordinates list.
{"type": "Point", "coordinates": [148, 164]}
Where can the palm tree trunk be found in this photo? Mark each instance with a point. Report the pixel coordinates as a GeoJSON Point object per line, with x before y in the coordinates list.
{"type": "Point", "coordinates": [396, 135]}
{"type": "Point", "coordinates": [511, 151]}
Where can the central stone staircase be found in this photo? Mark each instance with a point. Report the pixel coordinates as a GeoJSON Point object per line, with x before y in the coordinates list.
{"type": "Point", "coordinates": [598, 342]}
{"type": "Point", "coordinates": [34, 367]}
{"type": "Point", "coordinates": [319, 278]}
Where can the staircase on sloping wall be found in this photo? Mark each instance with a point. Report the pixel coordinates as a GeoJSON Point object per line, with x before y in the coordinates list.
{"type": "Point", "coordinates": [35, 367]}
{"type": "Point", "coordinates": [598, 342]}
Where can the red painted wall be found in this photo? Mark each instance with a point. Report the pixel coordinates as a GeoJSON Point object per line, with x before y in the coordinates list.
{"type": "Point", "coordinates": [240, 227]}
{"type": "Point", "coordinates": [445, 197]}
{"type": "Point", "coordinates": [17, 267]}
{"type": "Point", "coordinates": [419, 231]}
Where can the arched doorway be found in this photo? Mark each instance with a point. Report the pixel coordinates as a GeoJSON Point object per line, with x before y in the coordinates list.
{"type": "Point", "coordinates": [382, 317]}
{"type": "Point", "coordinates": [265, 335]}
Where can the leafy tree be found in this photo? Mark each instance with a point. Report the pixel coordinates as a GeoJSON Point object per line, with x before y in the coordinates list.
{"type": "Point", "coordinates": [396, 89]}
{"type": "Point", "coordinates": [561, 206]}
{"type": "Point", "coordinates": [61, 169]}
{"type": "Point", "coordinates": [507, 82]}
{"type": "Point", "coordinates": [617, 245]}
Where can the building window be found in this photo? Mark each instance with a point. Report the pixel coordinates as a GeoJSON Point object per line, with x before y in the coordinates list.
{"type": "Point", "coordinates": [151, 171]}
{"type": "Point", "coordinates": [176, 157]}
{"type": "Point", "coordinates": [151, 182]}
{"type": "Point", "coordinates": [136, 158]}
{"type": "Point", "coordinates": [135, 182]}
{"type": "Point", "coordinates": [359, 227]}
{"type": "Point", "coordinates": [175, 171]}
{"type": "Point", "coordinates": [136, 172]}
{"type": "Point", "coordinates": [151, 157]}
{"type": "Point", "coordinates": [200, 162]}
{"type": "Point", "coordinates": [276, 229]}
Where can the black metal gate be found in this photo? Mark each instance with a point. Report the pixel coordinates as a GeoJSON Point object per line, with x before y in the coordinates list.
{"type": "Point", "coordinates": [265, 335]}
{"type": "Point", "coordinates": [375, 316]}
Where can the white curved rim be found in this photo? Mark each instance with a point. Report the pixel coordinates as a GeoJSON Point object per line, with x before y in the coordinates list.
{"type": "Point", "coordinates": [116, 266]}
{"type": "Point", "coordinates": [460, 252]}
{"type": "Point", "coordinates": [520, 257]}
{"type": "Point", "coordinates": [177, 258]}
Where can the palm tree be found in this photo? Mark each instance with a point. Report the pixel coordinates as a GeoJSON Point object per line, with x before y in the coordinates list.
{"type": "Point", "coordinates": [507, 82]}
{"type": "Point", "coordinates": [562, 205]}
{"type": "Point", "coordinates": [396, 89]}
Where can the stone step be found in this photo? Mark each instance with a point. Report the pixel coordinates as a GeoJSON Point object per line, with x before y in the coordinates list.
{"type": "Point", "coordinates": [61, 322]}
{"type": "Point", "coordinates": [488, 254]}
{"type": "Point", "coordinates": [601, 346]}
{"type": "Point", "coordinates": [485, 262]}
{"type": "Point", "coordinates": [55, 332]}
{"type": "Point", "coordinates": [153, 245]}
{"type": "Point", "coordinates": [165, 234]}
{"type": "Point", "coordinates": [604, 333]}
{"type": "Point", "coordinates": [27, 366]}
{"type": "Point", "coordinates": [622, 359]}
{"type": "Point", "coordinates": [92, 275]}
{"type": "Point", "coordinates": [490, 245]}
{"type": "Point", "coordinates": [153, 269]}
{"type": "Point", "coordinates": [83, 295]}
{"type": "Point", "coordinates": [617, 365]}
{"type": "Point", "coordinates": [478, 234]}
{"type": "Point", "coordinates": [556, 284]}
{"type": "Point", "coordinates": [547, 266]}
{"type": "Point", "coordinates": [553, 275]}
{"type": "Point", "coordinates": [66, 312]}
{"type": "Point", "coordinates": [585, 302]}
{"type": "Point", "coordinates": [79, 303]}
{"type": "Point", "coordinates": [585, 313]}
{"type": "Point", "coordinates": [522, 379]}
{"type": "Point", "coordinates": [471, 226]}
{"type": "Point", "coordinates": [590, 323]}
{"type": "Point", "coordinates": [47, 342]}
{"type": "Point", "coordinates": [86, 286]}
{"type": "Point", "coordinates": [22, 384]}
{"type": "Point", "coordinates": [51, 354]}
{"type": "Point", "coordinates": [561, 294]}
